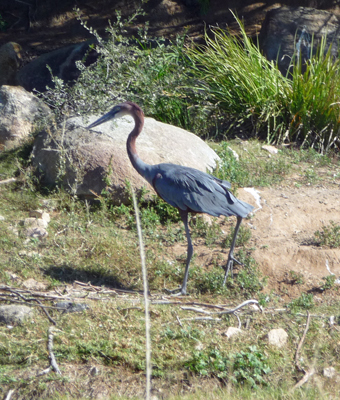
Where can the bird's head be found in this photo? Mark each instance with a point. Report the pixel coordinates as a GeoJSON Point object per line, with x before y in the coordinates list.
{"type": "Point", "coordinates": [118, 111]}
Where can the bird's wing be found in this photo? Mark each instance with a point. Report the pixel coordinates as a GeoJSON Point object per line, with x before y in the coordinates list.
{"type": "Point", "coordinates": [193, 190]}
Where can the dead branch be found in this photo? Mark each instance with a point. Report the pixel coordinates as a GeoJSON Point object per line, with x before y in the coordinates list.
{"type": "Point", "coordinates": [4, 182]}
{"type": "Point", "coordinates": [9, 394]}
{"type": "Point", "coordinates": [53, 362]}
{"type": "Point", "coordinates": [233, 310]}
{"type": "Point", "coordinates": [36, 300]}
{"type": "Point", "coordinates": [312, 371]}
{"type": "Point", "coordinates": [305, 378]}
{"type": "Point", "coordinates": [297, 354]}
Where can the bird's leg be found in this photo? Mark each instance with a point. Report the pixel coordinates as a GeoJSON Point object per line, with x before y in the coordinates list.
{"type": "Point", "coordinates": [231, 259]}
{"type": "Point", "coordinates": [183, 289]}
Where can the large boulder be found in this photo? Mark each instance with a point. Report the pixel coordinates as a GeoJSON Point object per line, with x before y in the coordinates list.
{"type": "Point", "coordinates": [88, 161]}
{"type": "Point", "coordinates": [10, 59]}
{"type": "Point", "coordinates": [62, 62]}
{"type": "Point", "coordinates": [289, 30]}
{"type": "Point", "coordinates": [20, 112]}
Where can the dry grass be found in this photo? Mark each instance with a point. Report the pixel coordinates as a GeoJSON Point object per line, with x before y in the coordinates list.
{"type": "Point", "coordinates": [101, 351]}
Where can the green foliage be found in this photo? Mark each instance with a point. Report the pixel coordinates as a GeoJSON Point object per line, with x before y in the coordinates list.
{"type": "Point", "coordinates": [235, 75]}
{"type": "Point", "coordinates": [304, 107]}
{"type": "Point", "coordinates": [151, 72]}
{"type": "Point", "coordinates": [329, 236]}
{"type": "Point", "coordinates": [296, 277]}
{"type": "Point", "coordinates": [243, 237]}
{"type": "Point", "coordinates": [3, 24]}
{"type": "Point", "coordinates": [305, 301]}
{"type": "Point", "coordinates": [252, 169]}
{"type": "Point", "coordinates": [243, 367]}
{"type": "Point", "coordinates": [329, 282]}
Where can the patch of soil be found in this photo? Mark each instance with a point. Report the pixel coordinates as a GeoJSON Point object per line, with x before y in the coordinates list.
{"type": "Point", "coordinates": [283, 230]}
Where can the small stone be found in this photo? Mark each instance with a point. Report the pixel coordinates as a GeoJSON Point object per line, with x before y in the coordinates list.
{"type": "Point", "coordinates": [40, 214]}
{"type": "Point", "coordinates": [270, 149]}
{"type": "Point", "coordinates": [231, 331]}
{"type": "Point", "coordinates": [35, 222]}
{"type": "Point", "coordinates": [2, 218]}
{"type": "Point", "coordinates": [236, 156]}
{"type": "Point", "coordinates": [329, 372]}
{"type": "Point", "coordinates": [11, 314]}
{"type": "Point", "coordinates": [277, 337]}
{"type": "Point", "coordinates": [68, 306]}
{"type": "Point", "coordinates": [32, 284]}
{"type": "Point", "coordinates": [94, 371]}
{"type": "Point", "coordinates": [199, 346]}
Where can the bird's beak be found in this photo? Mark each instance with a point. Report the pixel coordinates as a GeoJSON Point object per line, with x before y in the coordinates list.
{"type": "Point", "coordinates": [106, 117]}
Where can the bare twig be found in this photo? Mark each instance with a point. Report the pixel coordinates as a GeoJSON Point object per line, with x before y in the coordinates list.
{"type": "Point", "coordinates": [311, 371]}
{"type": "Point", "coordinates": [305, 378]}
{"type": "Point", "coordinates": [231, 311]}
{"type": "Point", "coordinates": [53, 362]}
{"type": "Point", "coordinates": [8, 181]}
{"type": "Point", "coordinates": [9, 394]}
{"type": "Point", "coordinates": [297, 354]}
{"type": "Point", "coordinates": [36, 300]}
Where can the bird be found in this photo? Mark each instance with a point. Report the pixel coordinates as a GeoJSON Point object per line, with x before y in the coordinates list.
{"type": "Point", "coordinates": [188, 189]}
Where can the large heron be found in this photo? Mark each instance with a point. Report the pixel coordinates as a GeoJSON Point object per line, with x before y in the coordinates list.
{"type": "Point", "coordinates": [187, 189]}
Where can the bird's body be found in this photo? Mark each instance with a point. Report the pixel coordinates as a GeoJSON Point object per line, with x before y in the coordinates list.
{"type": "Point", "coordinates": [187, 189]}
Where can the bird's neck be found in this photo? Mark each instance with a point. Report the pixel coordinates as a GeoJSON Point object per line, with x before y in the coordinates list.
{"type": "Point", "coordinates": [140, 166]}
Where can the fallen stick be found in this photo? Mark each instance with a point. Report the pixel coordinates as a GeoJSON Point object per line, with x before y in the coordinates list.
{"type": "Point", "coordinates": [9, 394]}
{"type": "Point", "coordinates": [310, 372]}
{"type": "Point", "coordinates": [297, 354]}
{"type": "Point", "coordinates": [53, 362]}
{"type": "Point", "coordinates": [8, 181]}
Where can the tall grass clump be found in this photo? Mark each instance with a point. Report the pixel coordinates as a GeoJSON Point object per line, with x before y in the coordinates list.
{"type": "Point", "coordinates": [301, 107]}
{"type": "Point", "coordinates": [315, 108]}
{"type": "Point", "coordinates": [235, 75]}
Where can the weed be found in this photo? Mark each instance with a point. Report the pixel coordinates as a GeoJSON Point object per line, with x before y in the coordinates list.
{"type": "Point", "coordinates": [243, 367]}
{"type": "Point", "coordinates": [243, 237]}
{"type": "Point", "coordinates": [329, 282]}
{"type": "Point", "coordinates": [305, 301]}
{"type": "Point", "coordinates": [296, 277]}
{"type": "Point", "coordinates": [329, 236]}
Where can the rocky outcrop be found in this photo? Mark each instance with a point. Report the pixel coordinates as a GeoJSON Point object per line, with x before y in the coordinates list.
{"type": "Point", "coordinates": [62, 63]}
{"type": "Point", "coordinates": [294, 30]}
{"type": "Point", "coordinates": [88, 161]}
{"type": "Point", "coordinates": [10, 59]}
{"type": "Point", "coordinates": [20, 112]}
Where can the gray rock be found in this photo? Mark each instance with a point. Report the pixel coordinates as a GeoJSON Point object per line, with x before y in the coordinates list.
{"type": "Point", "coordinates": [277, 337]}
{"type": "Point", "coordinates": [86, 161]}
{"type": "Point", "coordinates": [287, 30]}
{"type": "Point", "coordinates": [329, 372]}
{"type": "Point", "coordinates": [11, 314]}
{"type": "Point", "coordinates": [233, 332]}
{"type": "Point", "coordinates": [68, 306]}
{"type": "Point", "coordinates": [10, 59]}
{"type": "Point", "coordinates": [62, 62]}
{"type": "Point", "coordinates": [20, 111]}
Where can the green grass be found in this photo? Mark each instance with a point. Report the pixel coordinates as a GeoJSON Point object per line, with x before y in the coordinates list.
{"type": "Point", "coordinates": [301, 108]}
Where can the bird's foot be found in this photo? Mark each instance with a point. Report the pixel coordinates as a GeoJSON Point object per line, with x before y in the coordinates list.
{"type": "Point", "coordinates": [229, 267]}
{"type": "Point", "coordinates": [176, 292]}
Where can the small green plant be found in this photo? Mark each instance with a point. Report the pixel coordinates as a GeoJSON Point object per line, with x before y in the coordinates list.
{"type": "Point", "coordinates": [305, 301]}
{"type": "Point", "coordinates": [329, 282]}
{"type": "Point", "coordinates": [244, 367]}
{"type": "Point", "coordinates": [243, 237]}
{"type": "Point", "coordinates": [296, 277]}
{"type": "Point", "coordinates": [329, 236]}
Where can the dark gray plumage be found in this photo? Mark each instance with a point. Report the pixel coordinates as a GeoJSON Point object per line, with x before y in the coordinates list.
{"type": "Point", "coordinates": [187, 189]}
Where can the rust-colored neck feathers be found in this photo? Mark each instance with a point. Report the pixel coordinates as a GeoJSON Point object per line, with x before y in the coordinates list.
{"type": "Point", "coordinates": [138, 116]}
